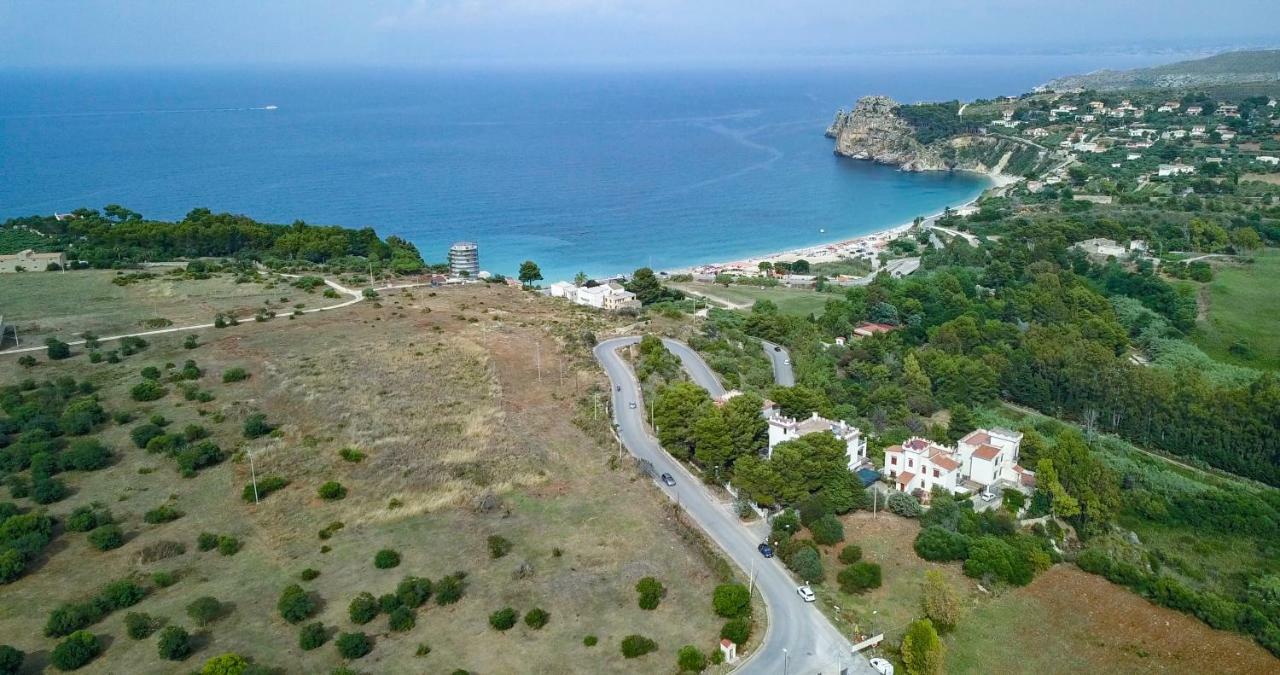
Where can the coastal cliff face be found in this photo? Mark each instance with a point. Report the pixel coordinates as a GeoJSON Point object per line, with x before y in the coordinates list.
{"type": "Point", "coordinates": [874, 131]}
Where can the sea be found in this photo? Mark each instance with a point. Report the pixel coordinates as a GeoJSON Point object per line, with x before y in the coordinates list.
{"type": "Point", "coordinates": [599, 170]}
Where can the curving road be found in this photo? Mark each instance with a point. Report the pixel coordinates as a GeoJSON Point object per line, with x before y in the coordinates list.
{"type": "Point", "coordinates": [778, 355]}
{"type": "Point", "coordinates": [799, 639]}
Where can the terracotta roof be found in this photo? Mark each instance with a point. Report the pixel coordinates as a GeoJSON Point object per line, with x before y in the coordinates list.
{"type": "Point", "coordinates": [906, 477]}
{"type": "Point", "coordinates": [893, 448]}
{"type": "Point", "coordinates": [916, 444]}
{"type": "Point", "coordinates": [726, 642]}
{"type": "Point", "coordinates": [977, 437]}
{"type": "Point", "coordinates": [945, 463]}
{"type": "Point", "coordinates": [986, 452]}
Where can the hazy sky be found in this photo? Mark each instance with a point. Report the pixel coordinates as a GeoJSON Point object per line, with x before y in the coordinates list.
{"type": "Point", "coordinates": [430, 32]}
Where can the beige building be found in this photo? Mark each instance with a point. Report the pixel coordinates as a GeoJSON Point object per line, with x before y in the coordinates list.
{"type": "Point", "coordinates": [30, 261]}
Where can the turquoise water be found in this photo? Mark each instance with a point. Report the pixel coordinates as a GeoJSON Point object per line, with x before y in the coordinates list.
{"type": "Point", "coordinates": [592, 171]}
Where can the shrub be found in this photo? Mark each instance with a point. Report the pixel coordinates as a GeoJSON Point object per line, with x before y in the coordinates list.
{"type": "Point", "coordinates": [401, 619]}
{"type": "Point", "coordinates": [228, 545]}
{"type": "Point", "coordinates": [651, 592]}
{"type": "Point", "coordinates": [536, 618]}
{"type": "Point", "coordinates": [140, 625]}
{"type": "Point", "coordinates": [207, 541]}
{"type": "Point", "coordinates": [450, 589]}
{"type": "Point", "coordinates": [363, 608]}
{"type": "Point", "coordinates": [57, 349]}
{"type": "Point", "coordinates": [859, 577]}
{"type": "Point", "coordinates": [422, 650]}
{"type": "Point", "coordinates": [226, 664]}
{"type": "Point", "coordinates": [807, 565]}
{"type": "Point", "coordinates": [191, 342]}
{"type": "Point", "coordinates": [386, 559]}
{"type": "Point", "coordinates": [637, 645]}
{"type": "Point", "coordinates": [590, 641]}
{"type": "Point", "coordinates": [107, 537]}
{"type": "Point", "coordinates": [27, 361]}
{"type": "Point", "coordinates": [266, 485]}
{"type": "Point", "coordinates": [10, 660]}
{"type": "Point", "coordinates": [86, 454]}
{"type": "Point", "coordinates": [332, 491]}
{"type": "Point", "coordinates": [312, 635]}
{"type": "Point", "coordinates": [737, 631]}
{"type": "Point", "coordinates": [164, 579]}
{"type": "Point", "coordinates": [731, 601]}
{"type": "Point", "coordinates": [162, 514]}
{"type": "Point", "coordinates": [690, 659]}
{"type": "Point", "coordinates": [174, 644]}
{"type": "Point", "coordinates": [151, 373]}
{"type": "Point", "coordinates": [256, 426]}
{"type": "Point", "coordinates": [353, 645]}
{"type": "Point", "coordinates": [236, 374]}
{"type": "Point", "coordinates": [389, 602]}
{"type": "Point", "coordinates": [413, 591]}
{"type": "Point", "coordinates": [498, 546]}
{"type": "Point", "coordinates": [504, 618]}
{"type": "Point", "coordinates": [922, 651]}
{"type": "Point", "coordinates": [120, 594]}
{"type": "Point", "coordinates": [904, 505]}
{"type": "Point", "coordinates": [48, 491]}
{"type": "Point", "coordinates": [351, 454]}
{"type": "Point", "coordinates": [294, 604]}
{"type": "Point", "coordinates": [204, 610]}
{"type": "Point", "coordinates": [78, 649]}
{"type": "Point", "coordinates": [827, 530]}
{"type": "Point", "coordinates": [941, 545]}
{"type": "Point", "coordinates": [308, 574]}
{"type": "Point", "coordinates": [147, 390]}
{"type": "Point", "coordinates": [851, 553]}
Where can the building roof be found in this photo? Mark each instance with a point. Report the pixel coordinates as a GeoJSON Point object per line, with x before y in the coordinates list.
{"type": "Point", "coordinates": [944, 462]}
{"type": "Point", "coordinates": [916, 444]}
{"type": "Point", "coordinates": [987, 452]}
{"type": "Point", "coordinates": [978, 436]}
{"type": "Point", "coordinates": [905, 478]}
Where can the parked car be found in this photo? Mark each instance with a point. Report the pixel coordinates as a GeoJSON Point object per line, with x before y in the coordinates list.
{"type": "Point", "coordinates": [805, 593]}
{"type": "Point", "coordinates": [765, 549]}
{"type": "Point", "coordinates": [632, 405]}
{"type": "Point", "coordinates": [618, 388]}
{"type": "Point", "coordinates": [787, 361]}
{"type": "Point", "coordinates": [987, 495]}
{"type": "Point", "coordinates": [776, 348]}
{"type": "Point", "coordinates": [668, 480]}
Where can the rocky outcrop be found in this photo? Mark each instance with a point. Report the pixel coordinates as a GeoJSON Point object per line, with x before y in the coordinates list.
{"type": "Point", "coordinates": [874, 131]}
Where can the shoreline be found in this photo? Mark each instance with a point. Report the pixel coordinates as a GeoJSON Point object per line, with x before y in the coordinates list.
{"type": "Point", "coordinates": [864, 245]}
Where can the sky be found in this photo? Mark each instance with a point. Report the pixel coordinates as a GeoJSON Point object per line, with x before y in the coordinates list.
{"type": "Point", "coordinates": [143, 33]}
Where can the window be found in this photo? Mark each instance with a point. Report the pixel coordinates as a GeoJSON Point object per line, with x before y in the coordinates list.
{"type": "Point", "coordinates": [936, 474]}
{"type": "Point", "coordinates": [910, 464]}
{"type": "Point", "coordinates": [893, 460]}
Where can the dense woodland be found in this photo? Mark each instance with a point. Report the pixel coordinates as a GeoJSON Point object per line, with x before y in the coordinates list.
{"type": "Point", "coordinates": [117, 238]}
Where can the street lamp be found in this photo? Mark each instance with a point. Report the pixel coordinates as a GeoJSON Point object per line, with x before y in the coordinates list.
{"type": "Point", "coordinates": [785, 661]}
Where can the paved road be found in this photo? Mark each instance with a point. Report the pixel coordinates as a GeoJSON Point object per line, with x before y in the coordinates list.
{"type": "Point", "coordinates": [799, 640]}
{"type": "Point", "coordinates": [696, 367]}
{"type": "Point", "coordinates": [781, 359]}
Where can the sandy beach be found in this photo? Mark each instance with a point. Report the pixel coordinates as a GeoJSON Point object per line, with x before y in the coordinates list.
{"type": "Point", "coordinates": [866, 246]}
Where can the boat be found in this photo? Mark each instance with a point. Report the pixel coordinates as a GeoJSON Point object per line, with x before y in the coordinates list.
{"type": "Point", "coordinates": [271, 107]}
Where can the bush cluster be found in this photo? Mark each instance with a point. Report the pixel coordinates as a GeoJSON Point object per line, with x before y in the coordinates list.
{"type": "Point", "coordinates": [295, 605]}
{"type": "Point", "coordinates": [637, 645]}
{"type": "Point", "coordinates": [73, 616]}
{"type": "Point", "coordinates": [651, 592]}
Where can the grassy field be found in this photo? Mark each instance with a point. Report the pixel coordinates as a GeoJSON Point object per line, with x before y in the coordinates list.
{"type": "Point", "coordinates": [800, 302]}
{"type": "Point", "coordinates": [1243, 304]}
{"type": "Point", "coordinates": [64, 304]}
{"type": "Point", "coordinates": [464, 438]}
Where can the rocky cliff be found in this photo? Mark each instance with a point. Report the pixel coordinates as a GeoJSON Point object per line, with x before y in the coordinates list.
{"type": "Point", "coordinates": [874, 131]}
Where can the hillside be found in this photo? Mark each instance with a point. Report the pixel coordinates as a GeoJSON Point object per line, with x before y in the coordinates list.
{"type": "Point", "coordinates": [1229, 68]}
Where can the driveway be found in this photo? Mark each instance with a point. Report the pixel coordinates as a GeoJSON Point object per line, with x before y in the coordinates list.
{"type": "Point", "coordinates": [778, 355]}
{"type": "Point", "coordinates": [799, 639]}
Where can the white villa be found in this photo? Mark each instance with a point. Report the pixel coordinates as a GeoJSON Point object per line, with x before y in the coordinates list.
{"type": "Point", "coordinates": [783, 428]}
{"type": "Point", "coordinates": [982, 458]}
{"type": "Point", "coordinates": [611, 296]}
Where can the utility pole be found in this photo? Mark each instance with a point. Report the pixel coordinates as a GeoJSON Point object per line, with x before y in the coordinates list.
{"type": "Point", "coordinates": [751, 585]}
{"type": "Point", "coordinates": [785, 660]}
{"type": "Point", "coordinates": [537, 357]}
{"type": "Point", "coordinates": [253, 472]}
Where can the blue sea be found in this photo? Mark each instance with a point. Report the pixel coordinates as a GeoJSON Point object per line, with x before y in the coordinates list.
{"type": "Point", "coordinates": [591, 170]}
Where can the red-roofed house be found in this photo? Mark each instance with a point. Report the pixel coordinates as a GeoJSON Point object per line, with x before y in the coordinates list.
{"type": "Point", "coordinates": [990, 455]}
{"type": "Point", "coordinates": [983, 457]}
{"type": "Point", "coordinates": [867, 329]}
{"type": "Point", "coordinates": [920, 464]}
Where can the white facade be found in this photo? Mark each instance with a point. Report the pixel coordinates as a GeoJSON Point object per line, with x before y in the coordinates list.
{"type": "Point", "coordinates": [605, 296]}
{"type": "Point", "coordinates": [921, 464]}
{"type": "Point", "coordinates": [982, 458]}
{"type": "Point", "coordinates": [1174, 169]}
{"type": "Point", "coordinates": [564, 289]}
{"type": "Point", "coordinates": [782, 428]}
{"type": "Point", "coordinates": [990, 455]}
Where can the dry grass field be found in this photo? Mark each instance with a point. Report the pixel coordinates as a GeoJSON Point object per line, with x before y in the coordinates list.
{"type": "Point", "coordinates": [468, 406]}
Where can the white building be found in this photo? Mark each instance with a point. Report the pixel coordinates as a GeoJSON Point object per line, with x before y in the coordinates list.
{"type": "Point", "coordinates": [991, 455]}
{"type": "Point", "coordinates": [1174, 169]}
{"type": "Point", "coordinates": [610, 296]}
{"type": "Point", "coordinates": [564, 289]}
{"type": "Point", "coordinates": [1268, 159]}
{"type": "Point", "coordinates": [30, 261]}
{"type": "Point", "coordinates": [783, 428]}
{"type": "Point", "coordinates": [921, 464]}
{"type": "Point", "coordinates": [981, 459]}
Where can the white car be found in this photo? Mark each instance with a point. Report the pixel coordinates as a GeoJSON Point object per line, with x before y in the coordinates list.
{"type": "Point", "coordinates": [882, 666]}
{"type": "Point", "coordinates": [805, 593]}
{"type": "Point", "coordinates": [632, 405]}
{"type": "Point", "coordinates": [987, 495]}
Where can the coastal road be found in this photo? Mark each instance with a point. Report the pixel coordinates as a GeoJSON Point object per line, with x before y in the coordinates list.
{"type": "Point", "coordinates": [799, 640]}
{"type": "Point", "coordinates": [778, 355]}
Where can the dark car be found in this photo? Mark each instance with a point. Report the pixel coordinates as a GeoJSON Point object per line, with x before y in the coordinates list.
{"type": "Point", "coordinates": [668, 480]}
{"type": "Point", "coordinates": [776, 348]}
{"type": "Point", "coordinates": [765, 549]}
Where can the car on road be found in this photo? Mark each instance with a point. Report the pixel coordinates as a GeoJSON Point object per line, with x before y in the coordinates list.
{"type": "Point", "coordinates": [668, 480]}
{"type": "Point", "coordinates": [632, 405]}
{"type": "Point", "coordinates": [805, 593]}
{"type": "Point", "coordinates": [765, 549]}
{"type": "Point", "coordinates": [787, 361]}
{"type": "Point", "coordinates": [776, 348]}
{"type": "Point", "coordinates": [987, 495]}
{"type": "Point", "coordinates": [618, 388]}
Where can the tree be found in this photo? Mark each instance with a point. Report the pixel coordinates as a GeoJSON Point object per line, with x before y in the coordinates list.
{"type": "Point", "coordinates": [386, 559]}
{"type": "Point", "coordinates": [860, 576]}
{"type": "Point", "coordinates": [644, 283]}
{"type": "Point", "coordinates": [204, 610]}
{"type": "Point", "coordinates": [940, 601]}
{"type": "Point", "coordinates": [529, 273]}
{"type": "Point", "coordinates": [922, 651]}
{"type": "Point", "coordinates": [737, 631]}
{"type": "Point", "coordinates": [312, 635]}
{"type": "Point", "coordinates": [57, 349]}
{"type": "Point", "coordinates": [731, 601]}
{"type": "Point", "coordinates": [332, 491]}
{"type": "Point", "coordinates": [580, 278]}
{"type": "Point", "coordinates": [650, 591]}
{"type": "Point", "coordinates": [748, 429]}
{"type": "Point", "coordinates": [536, 618]}
{"type": "Point", "coordinates": [225, 664]}
{"type": "Point", "coordinates": [401, 619]}
{"type": "Point", "coordinates": [678, 406]}
{"type": "Point", "coordinates": [962, 422]}
{"type": "Point", "coordinates": [353, 645]}
{"type": "Point", "coordinates": [712, 440]}
{"type": "Point", "coordinates": [78, 649]}
{"type": "Point", "coordinates": [363, 608]}
{"type": "Point", "coordinates": [504, 618]}
{"type": "Point", "coordinates": [807, 565]}
{"type": "Point", "coordinates": [916, 385]}
{"type": "Point", "coordinates": [10, 660]}
{"type": "Point", "coordinates": [827, 530]}
{"type": "Point", "coordinates": [294, 604]}
{"type": "Point", "coordinates": [690, 659]}
{"type": "Point", "coordinates": [174, 643]}
{"type": "Point", "coordinates": [256, 425]}
{"type": "Point", "coordinates": [851, 553]}
{"type": "Point", "coordinates": [637, 645]}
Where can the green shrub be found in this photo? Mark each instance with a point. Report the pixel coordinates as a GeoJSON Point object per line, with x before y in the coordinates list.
{"type": "Point", "coordinates": [904, 505]}
{"type": "Point", "coordinates": [204, 610]}
{"type": "Point", "coordinates": [332, 491]}
{"type": "Point", "coordinates": [690, 659]}
{"type": "Point", "coordinates": [637, 645]}
{"type": "Point", "coordinates": [57, 349]}
{"type": "Point", "coordinates": [731, 601]}
{"type": "Point", "coordinates": [590, 641]}
{"type": "Point", "coordinates": [312, 635]}
{"type": "Point", "coordinates": [413, 591]}
{"type": "Point", "coordinates": [78, 649]}
{"type": "Point", "coordinates": [737, 630]}
{"type": "Point", "coordinates": [401, 619]}
{"type": "Point", "coordinates": [140, 625]}
{"type": "Point", "coordinates": [120, 594]}
{"type": "Point", "coordinates": [147, 390]}
{"type": "Point", "coordinates": [363, 608]}
{"type": "Point", "coordinates": [450, 589]}
{"type": "Point", "coordinates": [807, 565]}
{"type": "Point", "coordinates": [353, 645]}
{"type": "Point", "coordinates": [504, 618]}
{"type": "Point", "coordinates": [162, 514]}
{"type": "Point", "coordinates": [651, 592]}
{"type": "Point", "coordinates": [941, 545]}
{"type": "Point", "coordinates": [207, 541]}
{"type": "Point", "coordinates": [85, 454]}
{"type": "Point", "coordinates": [107, 537]}
{"type": "Point", "coordinates": [236, 374]}
{"type": "Point", "coordinates": [228, 545]}
{"type": "Point", "coordinates": [386, 559]}
{"type": "Point", "coordinates": [827, 530]}
{"type": "Point", "coordinates": [498, 546]}
{"type": "Point", "coordinates": [256, 426]}
{"type": "Point", "coordinates": [308, 574]}
{"type": "Point", "coordinates": [266, 485]}
{"type": "Point", "coordinates": [174, 643]}
{"type": "Point", "coordinates": [48, 491]}
{"type": "Point", "coordinates": [536, 618]}
{"type": "Point", "coordinates": [295, 605]}
{"type": "Point", "coordinates": [164, 579]}
{"type": "Point", "coordinates": [859, 577]}
{"type": "Point", "coordinates": [150, 373]}
{"type": "Point", "coordinates": [190, 342]}
{"type": "Point", "coordinates": [850, 554]}
{"type": "Point", "coordinates": [422, 650]}
{"type": "Point", "coordinates": [351, 454]}
{"type": "Point", "coordinates": [10, 660]}
{"type": "Point", "coordinates": [389, 602]}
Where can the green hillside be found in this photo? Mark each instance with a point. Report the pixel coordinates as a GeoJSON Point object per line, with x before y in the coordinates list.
{"type": "Point", "coordinates": [1227, 68]}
